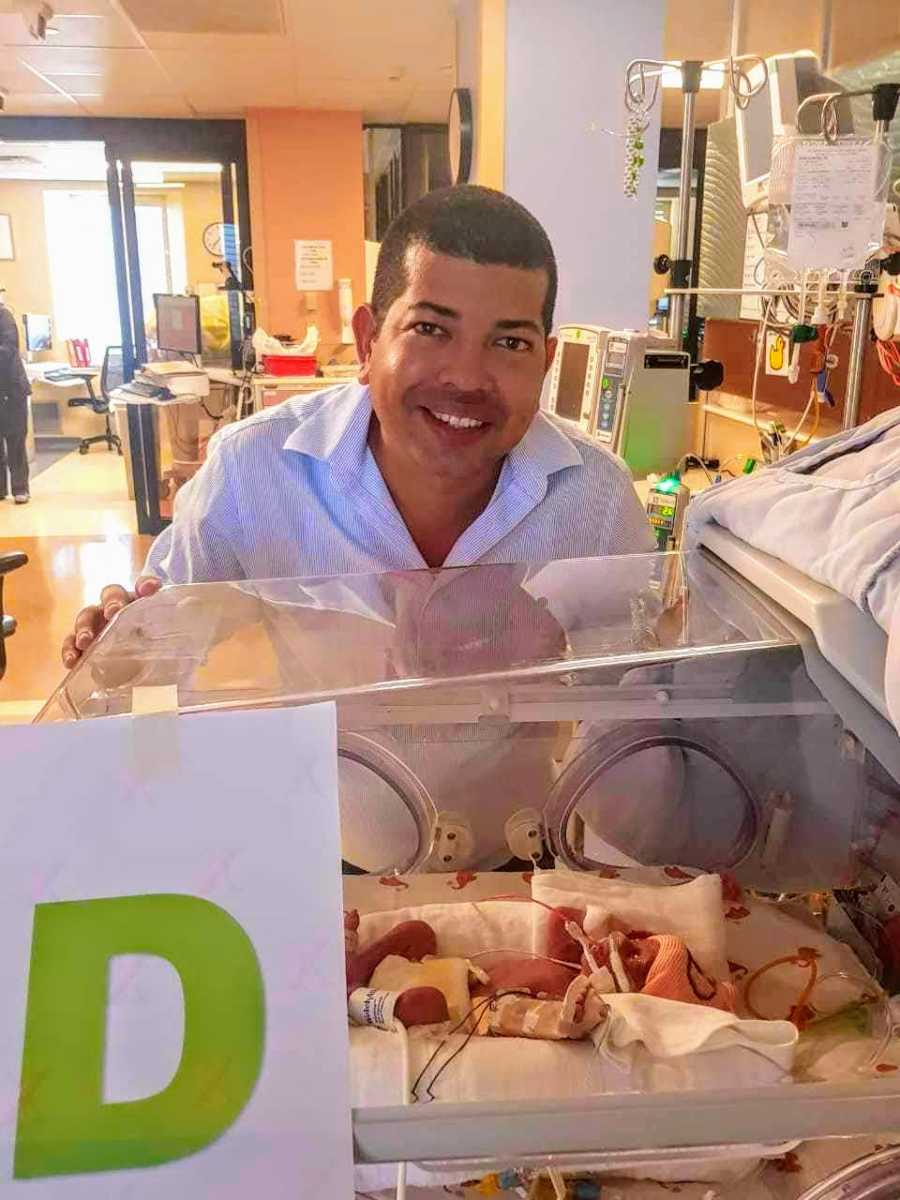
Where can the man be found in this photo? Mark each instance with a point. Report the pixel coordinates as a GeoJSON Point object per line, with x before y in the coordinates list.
{"type": "Point", "coordinates": [437, 456]}
{"type": "Point", "coordinates": [14, 392]}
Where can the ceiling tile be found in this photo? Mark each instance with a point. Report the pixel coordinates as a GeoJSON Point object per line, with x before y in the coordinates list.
{"type": "Point", "coordinates": [218, 45]}
{"type": "Point", "coordinates": [50, 59]}
{"type": "Point", "coordinates": [215, 109]}
{"type": "Point", "coordinates": [107, 30]}
{"type": "Point", "coordinates": [361, 59]}
{"type": "Point", "coordinates": [234, 82]}
{"type": "Point", "coordinates": [204, 17]}
{"type": "Point", "coordinates": [158, 106]}
{"type": "Point", "coordinates": [107, 72]}
{"type": "Point", "coordinates": [36, 104]}
{"type": "Point", "coordinates": [354, 94]}
{"type": "Point", "coordinates": [17, 80]}
{"type": "Point", "coordinates": [429, 104]}
{"type": "Point", "coordinates": [320, 62]}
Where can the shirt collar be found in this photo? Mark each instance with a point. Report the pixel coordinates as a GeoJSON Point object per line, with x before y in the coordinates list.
{"type": "Point", "coordinates": [543, 451]}
{"type": "Point", "coordinates": [337, 429]}
{"type": "Point", "coordinates": [332, 424]}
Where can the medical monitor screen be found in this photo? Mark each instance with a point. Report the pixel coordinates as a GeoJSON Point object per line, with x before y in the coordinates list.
{"type": "Point", "coordinates": [38, 335]}
{"type": "Point", "coordinates": [572, 371]}
{"type": "Point", "coordinates": [757, 131]}
{"type": "Point", "coordinates": [178, 323]}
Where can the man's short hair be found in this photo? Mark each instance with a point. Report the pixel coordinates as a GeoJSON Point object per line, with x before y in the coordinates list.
{"type": "Point", "coordinates": [475, 223]}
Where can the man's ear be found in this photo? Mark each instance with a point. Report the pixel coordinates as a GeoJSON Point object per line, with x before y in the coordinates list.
{"type": "Point", "coordinates": [365, 330]}
{"type": "Point", "coordinates": [550, 353]}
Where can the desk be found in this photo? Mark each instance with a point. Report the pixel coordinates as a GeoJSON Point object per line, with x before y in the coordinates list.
{"type": "Point", "coordinates": [71, 422]}
{"type": "Point", "coordinates": [164, 444]}
{"type": "Point", "coordinates": [267, 390]}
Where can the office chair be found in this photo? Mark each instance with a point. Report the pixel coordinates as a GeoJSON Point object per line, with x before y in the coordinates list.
{"type": "Point", "coordinates": [8, 562]}
{"type": "Point", "coordinates": [112, 375]}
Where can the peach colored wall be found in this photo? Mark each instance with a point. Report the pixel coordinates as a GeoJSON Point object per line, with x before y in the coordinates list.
{"type": "Point", "coordinates": [306, 181]}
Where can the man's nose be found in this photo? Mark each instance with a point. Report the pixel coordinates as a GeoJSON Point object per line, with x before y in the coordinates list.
{"type": "Point", "coordinates": [464, 367]}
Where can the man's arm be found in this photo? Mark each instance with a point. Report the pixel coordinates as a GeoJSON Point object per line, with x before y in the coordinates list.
{"type": "Point", "coordinates": [200, 546]}
{"type": "Point", "coordinates": [202, 543]}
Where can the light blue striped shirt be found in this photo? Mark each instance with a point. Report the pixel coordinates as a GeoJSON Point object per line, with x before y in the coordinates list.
{"type": "Point", "coordinates": [295, 491]}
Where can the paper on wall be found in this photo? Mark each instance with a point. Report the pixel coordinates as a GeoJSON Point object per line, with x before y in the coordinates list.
{"type": "Point", "coordinates": [313, 265]}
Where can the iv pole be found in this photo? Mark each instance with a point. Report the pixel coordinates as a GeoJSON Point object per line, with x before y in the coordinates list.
{"type": "Point", "coordinates": [639, 103]}
{"type": "Point", "coordinates": [691, 72]}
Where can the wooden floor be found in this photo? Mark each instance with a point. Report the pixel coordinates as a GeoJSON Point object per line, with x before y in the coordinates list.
{"type": "Point", "coordinates": [79, 534]}
{"type": "Point", "coordinates": [82, 495]}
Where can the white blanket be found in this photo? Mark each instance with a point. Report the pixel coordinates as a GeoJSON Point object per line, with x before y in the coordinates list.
{"type": "Point", "coordinates": [692, 911]}
{"type": "Point", "coordinates": [832, 511]}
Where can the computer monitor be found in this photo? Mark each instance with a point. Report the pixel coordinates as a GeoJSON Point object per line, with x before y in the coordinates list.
{"type": "Point", "coordinates": [178, 323]}
{"type": "Point", "coordinates": [772, 112]}
{"type": "Point", "coordinates": [38, 333]}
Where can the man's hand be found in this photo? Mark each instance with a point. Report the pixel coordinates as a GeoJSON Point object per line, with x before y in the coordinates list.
{"type": "Point", "coordinates": [91, 621]}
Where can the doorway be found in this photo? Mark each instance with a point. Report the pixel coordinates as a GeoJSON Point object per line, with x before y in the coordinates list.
{"type": "Point", "coordinates": [164, 211]}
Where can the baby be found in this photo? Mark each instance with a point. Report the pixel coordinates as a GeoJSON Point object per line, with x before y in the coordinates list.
{"type": "Point", "coordinates": [413, 940]}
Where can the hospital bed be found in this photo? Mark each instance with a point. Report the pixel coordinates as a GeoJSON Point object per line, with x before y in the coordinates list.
{"type": "Point", "coordinates": [636, 731]}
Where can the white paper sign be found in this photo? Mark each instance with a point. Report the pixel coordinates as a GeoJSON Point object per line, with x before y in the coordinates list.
{"type": "Point", "coordinates": [313, 266]}
{"type": "Point", "coordinates": [170, 926]}
{"type": "Point", "coordinates": [832, 205]}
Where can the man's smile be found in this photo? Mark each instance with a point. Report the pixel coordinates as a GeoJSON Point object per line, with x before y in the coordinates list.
{"type": "Point", "coordinates": [456, 422]}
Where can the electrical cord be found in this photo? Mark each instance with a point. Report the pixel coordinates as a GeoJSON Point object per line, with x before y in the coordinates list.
{"type": "Point", "coordinates": [760, 351]}
{"type": "Point", "coordinates": [889, 358]}
{"type": "Point", "coordinates": [694, 458]}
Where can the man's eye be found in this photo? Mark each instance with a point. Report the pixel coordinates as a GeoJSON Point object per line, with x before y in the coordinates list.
{"type": "Point", "coordinates": [514, 343]}
{"type": "Point", "coordinates": [428, 329]}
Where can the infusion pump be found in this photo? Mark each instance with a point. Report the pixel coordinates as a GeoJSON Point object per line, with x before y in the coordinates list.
{"type": "Point", "coordinates": [629, 390]}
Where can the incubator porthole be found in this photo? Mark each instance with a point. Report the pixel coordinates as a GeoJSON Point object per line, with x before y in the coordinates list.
{"type": "Point", "coordinates": [876, 1177]}
{"type": "Point", "coordinates": [652, 797]}
{"type": "Point", "coordinates": [385, 813]}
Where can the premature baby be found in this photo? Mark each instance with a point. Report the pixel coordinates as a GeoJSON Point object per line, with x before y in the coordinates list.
{"type": "Point", "coordinates": [555, 995]}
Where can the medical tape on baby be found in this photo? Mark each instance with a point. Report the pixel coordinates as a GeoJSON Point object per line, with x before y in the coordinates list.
{"type": "Point", "coordinates": [579, 936]}
{"type": "Point", "coordinates": [369, 1006]}
{"type": "Point", "coordinates": [623, 983]}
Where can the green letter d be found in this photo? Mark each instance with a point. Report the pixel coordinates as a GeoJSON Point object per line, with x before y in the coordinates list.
{"type": "Point", "coordinates": [63, 1125]}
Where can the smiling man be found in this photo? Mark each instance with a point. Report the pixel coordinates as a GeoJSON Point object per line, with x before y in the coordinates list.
{"type": "Point", "coordinates": [439, 455]}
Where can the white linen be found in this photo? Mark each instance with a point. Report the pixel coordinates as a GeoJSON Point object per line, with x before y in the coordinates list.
{"type": "Point", "coordinates": [832, 511]}
{"type": "Point", "coordinates": [692, 911]}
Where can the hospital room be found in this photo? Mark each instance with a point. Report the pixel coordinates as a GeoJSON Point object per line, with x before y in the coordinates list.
{"type": "Point", "coordinates": [450, 600]}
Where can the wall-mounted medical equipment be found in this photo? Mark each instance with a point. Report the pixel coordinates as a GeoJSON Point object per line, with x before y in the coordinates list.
{"type": "Point", "coordinates": [642, 409]}
{"type": "Point", "coordinates": [629, 390]}
{"type": "Point", "coordinates": [576, 373]}
{"type": "Point", "coordinates": [779, 88]}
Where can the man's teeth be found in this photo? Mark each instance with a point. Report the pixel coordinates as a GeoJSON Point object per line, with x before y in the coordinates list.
{"type": "Point", "coordinates": [458, 422]}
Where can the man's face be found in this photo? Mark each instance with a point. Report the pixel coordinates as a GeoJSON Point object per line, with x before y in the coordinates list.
{"type": "Point", "coordinates": [456, 369]}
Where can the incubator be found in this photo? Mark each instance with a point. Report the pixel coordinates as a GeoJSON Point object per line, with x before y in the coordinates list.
{"type": "Point", "coordinates": [641, 831]}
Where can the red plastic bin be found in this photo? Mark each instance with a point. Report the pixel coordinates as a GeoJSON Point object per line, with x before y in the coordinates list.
{"type": "Point", "coordinates": [289, 364]}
